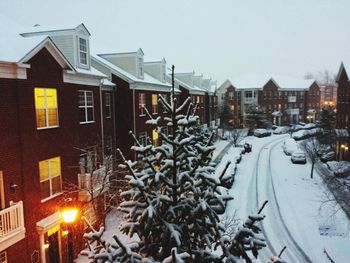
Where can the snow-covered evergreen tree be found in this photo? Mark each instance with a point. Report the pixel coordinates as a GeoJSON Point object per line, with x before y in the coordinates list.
{"type": "Point", "coordinates": [175, 199]}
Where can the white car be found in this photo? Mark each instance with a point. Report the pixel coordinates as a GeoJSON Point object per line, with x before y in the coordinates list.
{"type": "Point", "coordinates": [289, 146]}
{"type": "Point", "coordinates": [298, 157]}
{"type": "Point", "coordinates": [281, 130]}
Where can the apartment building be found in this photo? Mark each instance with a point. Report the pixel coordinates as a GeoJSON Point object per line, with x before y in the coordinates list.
{"type": "Point", "coordinates": [343, 111]}
{"type": "Point", "coordinates": [51, 108]}
{"type": "Point", "coordinates": [283, 99]}
{"type": "Point", "coordinates": [138, 86]}
{"type": "Point", "coordinates": [328, 96]}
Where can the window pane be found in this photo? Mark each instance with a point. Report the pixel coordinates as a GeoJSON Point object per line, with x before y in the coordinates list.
{"type": "Point", "coordinates": [82, 44]}
{"type": "Point", "coordinates": [44, 170]}
{"type": "Point", "coordinates": [45, 189]}
{"type": "Point", "coordinates": [55, 165]}
{"type": "Point", "coordinates": [56, 185]}
{"type": "Point", "coordinates": [40, 118]}
{"type": "Point", "coordinates": [90, 114]}
{"type": "Point", "coordinates": [89, 98]}
{"type": "Point", "coordinates": [82, 117]}
{"type": "Point", "coordinates": [83, 58]}
{"type": "Point", "coordinates": [81, 98]}
{"type": "Point", "coordinates": [39, 95]}
{"type": "Point", "coordinates": [52, 115]}
{"type": "Point", "coordinates": [51, 98]}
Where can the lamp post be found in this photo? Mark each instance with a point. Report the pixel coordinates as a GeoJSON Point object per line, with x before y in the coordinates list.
{"type": "Point", "coordinates": [69, 216]}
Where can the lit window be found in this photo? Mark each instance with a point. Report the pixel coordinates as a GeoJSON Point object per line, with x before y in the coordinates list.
{"type": "Point", "coordinates": [155, 137]}
{"type": "Point", "coordinates": [86, 106]}
{"type": "Point", "coordinates": [142, 103]}
{"type": "Point", "coordinates": [83, 51]}
{"type": "Point", "coordinates": [50, 177]}
{"type": "Point", "coordinates": [154, 103]}
{"type": "Point", "coordinates": [108, 105]}
{"type": "Point", "coordinates": [230, 95]}
{"type": "Point", "coordinates": [46, 107]}
{"type": "Point", "coordinates": [143, 138]}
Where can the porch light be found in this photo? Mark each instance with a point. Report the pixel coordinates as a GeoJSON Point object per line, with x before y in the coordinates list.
{"type": "Point", "coordinates": [46, 245]}
{"type": "Point", "coordinates": [69, 215]}
{"type": "Point", "coordinates": [342, 146]}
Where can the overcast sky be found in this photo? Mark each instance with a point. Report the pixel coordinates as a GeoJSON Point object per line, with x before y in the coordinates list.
{"type": "Point", "coordinates": [221, 39]}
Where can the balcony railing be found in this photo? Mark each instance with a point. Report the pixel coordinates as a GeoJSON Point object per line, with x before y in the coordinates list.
{"type": "Point", "coordinates": [11, 225]}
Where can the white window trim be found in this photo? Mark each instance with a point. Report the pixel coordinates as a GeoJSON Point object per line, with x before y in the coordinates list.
{"type": "Point", "coordinates": [109, 105]}
{"type": "Point", "coordinates": [47, 112]}
{"type": "Point", "coordinates": [142, 111]}
{"type": "Point", "coordinates": [86, 106]}
{"type": "Point", "coordinates": [50, 179]}
{"type": "Point", "coordinates": [87, 53]}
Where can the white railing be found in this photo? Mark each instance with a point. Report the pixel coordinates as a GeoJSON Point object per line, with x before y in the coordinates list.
{"type": "Point", "coordinates": [11, 220]}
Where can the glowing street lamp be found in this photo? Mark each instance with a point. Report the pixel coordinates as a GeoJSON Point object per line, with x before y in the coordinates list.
{"type": "Point", "coordinates": [69, 215]}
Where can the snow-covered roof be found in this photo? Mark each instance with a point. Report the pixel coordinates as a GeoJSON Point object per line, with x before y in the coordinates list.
{"type": "Point", "coordinates": [259, 81]}
{"type": "Point", "coordinates": [192, 89]}
{"type": "Point", "coordinates": [107, 82]}
{"type": "Point", "coordinates": [43, 29]}
{"type": "Point", "coordinates": [290, 83]}
{"type": "Point", "coordinates": [126, 75]}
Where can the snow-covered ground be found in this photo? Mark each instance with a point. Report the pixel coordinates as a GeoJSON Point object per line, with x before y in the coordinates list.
{"type": "Point", "coordinates": [293, 197]}
{"type": "Point", "coordinates": [309, 226]}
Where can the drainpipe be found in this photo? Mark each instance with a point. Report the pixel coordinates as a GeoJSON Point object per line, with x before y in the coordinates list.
{"type": "Point", "coordinates": [102, 131]}
{"type": "Point", "coordinates": [133, 113]}
{"type": "Point", "coordinates": [114, 116]}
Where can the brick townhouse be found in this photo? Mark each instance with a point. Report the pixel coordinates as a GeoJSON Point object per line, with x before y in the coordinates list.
{"type": "Point", "coordinates": [284, 100]}
{"type": "Point", "coordinates": [50, 108]}
{"type": "Point", "coordinates": [328, 96]}
{"type": "Point", "coordinates": [203, 95]}
{"type": "Point", "coordinates": [343, 111]}
{"type": "Point", "coordinates": [138, 87]}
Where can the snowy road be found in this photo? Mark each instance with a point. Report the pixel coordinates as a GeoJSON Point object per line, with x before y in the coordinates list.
{"type": "Point", "coordinates": [294, 215]}
{"type": "Point", "coordinates": [277, 232]}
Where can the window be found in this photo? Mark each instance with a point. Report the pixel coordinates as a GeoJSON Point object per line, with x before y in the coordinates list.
{"type": "Point", "coordinates": [198, 99]}
{"type": "Point", "coordinates": [3, 257]}
{"type": "Point", "coordinates": [143, 138]}
{"type": "Point", "coordinates": [82, 51]}
{"type": "Point", "coordinates": [154, 103]}
{"type": "Point", "coordinates": [165, 96]}
{"type": "Point", "coordinates": [142, 103]}
{"type": "Point", "coordinates": [140, 62]}
{"type": "Point", "coordinates": [86, 106]}
{"type": "Point", "coordinates": [108, 106]}
{"type": "Point", "coordinates": [50, 177]}
{"type": "Point", "coordinates": [248, 94]}
{"type": "Point", "coordinates": [155, 137]}
{"type": "Point", "coordinates": [230, 94]}
{"type": "Point", "coordinates": [46, 107]}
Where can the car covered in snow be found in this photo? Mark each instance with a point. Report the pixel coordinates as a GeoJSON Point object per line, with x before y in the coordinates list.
{"type": "Point", "coordinates": [298, 157]}
{"type": "Point", "coordinates": [229, 177]}
{"type": "Point", "coordinates": [281, 130]}
{"type": "Point", "coordinates": [326, 157]}
{"type": "Point", "coordinates": [289, 146]}
{"type": "Point", "coordinates": [339, 169]}
{"type": "Point", "coordinates": [261, 133]}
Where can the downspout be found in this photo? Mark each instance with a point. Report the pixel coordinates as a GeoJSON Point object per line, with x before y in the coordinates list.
{"type": "Point", "coordinates": [114, 116]}
{"type": "Point", "coordinates": [102, 131]}
{"type": "Point", "coordinates": [134, 116]}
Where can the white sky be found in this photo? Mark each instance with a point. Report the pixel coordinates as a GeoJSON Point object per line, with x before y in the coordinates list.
{"type": "Point", "coordinates": [221, 39]}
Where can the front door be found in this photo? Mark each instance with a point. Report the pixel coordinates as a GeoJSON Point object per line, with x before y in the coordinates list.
{"type": "Point", "coordinates": [53, 250]}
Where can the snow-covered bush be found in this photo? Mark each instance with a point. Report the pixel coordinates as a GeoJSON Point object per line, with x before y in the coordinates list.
{"type": "Point", "coordinates": [174, 200]}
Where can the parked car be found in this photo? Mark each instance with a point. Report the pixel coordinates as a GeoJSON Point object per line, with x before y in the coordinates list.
{"type": "Point", "coordinates": [326, 157]}
{"type": "Point", "coordinates": [261, 133]}
{"type": "Point", "coordinates": [247, 148]}
{"type": "Point", "coordinates": [298, 157]}
{"type": "Point", "coordinates": [281, 130]}
{"type": "Point", "coordinates": [289, 146]}
{"type": "Point", "coordinates": [229, 178]}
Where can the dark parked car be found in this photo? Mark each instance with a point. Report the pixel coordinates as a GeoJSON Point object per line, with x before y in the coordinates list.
{"type": "Point", "coordinates": [261, 133]}
{"type": "Point", "coordinates": [247, 148]}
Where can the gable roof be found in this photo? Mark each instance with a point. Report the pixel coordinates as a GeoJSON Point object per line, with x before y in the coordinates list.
{"type": "Point", "coordinates": [344, 66]}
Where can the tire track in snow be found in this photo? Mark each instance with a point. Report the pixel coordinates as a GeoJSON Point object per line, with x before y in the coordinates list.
{"type": "Point", "coordinates": [294, 251]}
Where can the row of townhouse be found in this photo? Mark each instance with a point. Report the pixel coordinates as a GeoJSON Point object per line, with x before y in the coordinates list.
{"type": "Point", "coordinates": [58, 100]}
{"type": "Point", "coordinates": [343, 112]}
{"type": "Point", "coordinates": [285, 100]}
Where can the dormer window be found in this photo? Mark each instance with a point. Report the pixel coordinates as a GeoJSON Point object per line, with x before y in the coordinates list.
{"type": "Point", "coordinates": [83, 51]}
